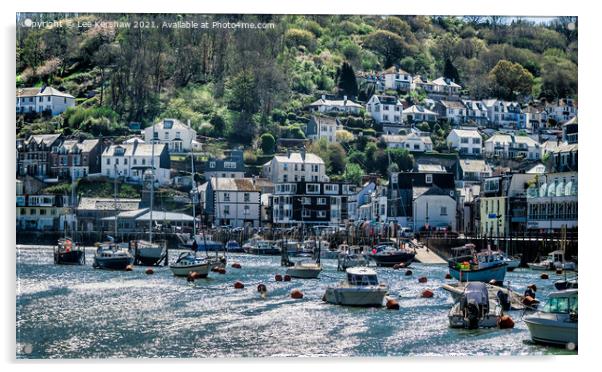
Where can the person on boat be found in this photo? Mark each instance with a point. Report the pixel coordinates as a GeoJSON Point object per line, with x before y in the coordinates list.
{"type": "Point", "coordinates": [531, 291]}
{"type": "Point", "coordinates": [195, 245]}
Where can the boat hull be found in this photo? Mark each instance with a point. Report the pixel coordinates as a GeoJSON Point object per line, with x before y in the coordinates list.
{"type": "Point", "coordinates": [389, 260]}
{"type": "Point", "coordinates": [113, 263]}
{"type": "Point", "coordinates": [149, 256]}
{"type": "Point", "coordinates": [201, 270]}
{"type": "Point", "coordinates": [303, 273]}
{"type": "Point", "coordinates": [365, 297]}
{"type": "Point", "coordinates": [497, 273]}
{"type": "Point", "coordinates": [75, 257]}
{"type": "Point", "coordinates": [552, 332]}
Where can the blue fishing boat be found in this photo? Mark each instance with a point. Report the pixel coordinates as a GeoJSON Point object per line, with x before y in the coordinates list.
{"type": "Point", "coordinates": [469, 266]}
{"type": "Point", "coordinates": [232, 246]}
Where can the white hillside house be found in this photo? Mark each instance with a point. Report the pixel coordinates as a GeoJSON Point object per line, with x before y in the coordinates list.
{"type": "Point", "coordinates": [49, 99]}
{"type": "Point", "coordinates": [466, 142]}
{"type": "Point", "coordinates": [131, 160]}
{"type": "Point", "coordinates": [385, 109]}
{"type": "Point", "coordinates": [294, 167]}
{"type": "Point", "coordinates": [179, 137]}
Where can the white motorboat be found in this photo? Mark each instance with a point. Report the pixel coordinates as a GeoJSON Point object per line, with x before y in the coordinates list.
{"type": "Point", "coordinates": [475, 309]}
{"type": "Point", "coordinates": [189, 262]}
{"type": "Point", "coordinates": [305, 269]}
{"type": "Point", "coordinates": [554, 261]}
{"type": "Point", "coordinates": [360, 288]}
{"type": "Point", "coordinates": [111, 256]}
{"type": "Point", "coordinates": [556, 323]}
{"type": "Point", "coordinates": [351, 257]}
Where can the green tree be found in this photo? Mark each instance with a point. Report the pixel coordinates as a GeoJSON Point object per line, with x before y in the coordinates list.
{"type": "Point", "coordinates": [336, 157]}
{"type": "Point", "coordinates": [389, 45]}
{"type": "Point", "coordinates": [353, 173]}
{"type": "Point", "coordinates": [268, 143]}
{"type": "Point", "coordinates": [450, 72]}
{"type": "Point", "coordinates": [346, 81]}
{"type": "Point", "coordinates": [242, 93]}
{"type": "Point", "coordinates": [510, 79]}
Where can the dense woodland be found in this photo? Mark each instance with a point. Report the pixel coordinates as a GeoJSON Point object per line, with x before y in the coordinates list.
{"type": "Point", "coordinates": [250, 86]}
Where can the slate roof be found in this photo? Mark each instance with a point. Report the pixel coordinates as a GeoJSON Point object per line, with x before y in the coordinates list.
{"type": "Point", "coordinates": [37, 92]}
{"type": "Point", "coordinates": [107, 204]}
{"type": "Point", "coordinates": [234, 184]}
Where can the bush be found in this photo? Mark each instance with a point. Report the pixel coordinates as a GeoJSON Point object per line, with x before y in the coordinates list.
{"type": "Point", "coordinates": [268, 143]}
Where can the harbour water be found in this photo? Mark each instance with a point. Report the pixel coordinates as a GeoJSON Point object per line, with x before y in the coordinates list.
{"type": "Point", "coordinates": [81, 312]}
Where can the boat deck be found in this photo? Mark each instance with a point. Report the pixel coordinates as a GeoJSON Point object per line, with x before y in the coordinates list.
{"type": "Point", "coordinates": [516, 299]}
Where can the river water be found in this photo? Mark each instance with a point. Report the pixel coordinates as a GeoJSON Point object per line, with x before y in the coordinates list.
{"type": "Point", "coordinates": [81, 312]}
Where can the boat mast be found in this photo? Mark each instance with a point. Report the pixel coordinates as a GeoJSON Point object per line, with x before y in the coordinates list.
{"type": "Point", "coordinates": [193, 191]}
{"type": "Point", "coordinates": [115, 199]}
{"type": "Point", "coordinates": [152, 189]}
{"type": "Point", "coordinates": [73, 201]}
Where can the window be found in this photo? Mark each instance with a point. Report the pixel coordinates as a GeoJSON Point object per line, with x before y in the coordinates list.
{"type": "Point", "coordinates": [247, 210]}
{"type": "Point", "coordinates": [42, 212]}
{"type": "Point", "coordinates": [429, 178]}
{"type": "Point", "coordinates": [331, 189]}
{"type": "Point", "coordinates": [321, 201]}
{"type": "Point", "coordinates": [226, 196]}
{"type": "Point", "coordinates": [443, 211]}
{"type": "Point", "coordinates": [117, 161]}
{"type": "Point", "coordinates": [166, 135]}
{"type": "Point", "coordinates": [229, 164]}
{"type": "Point", "coordinates": [211, 164]}
{"type": "Point", "coordinates": [306, 213]}
{"type": "Point", "coordinates": [464, 140]}
{"type": "Point", "coordinates": [247, 197]}
{"type": "Point", "coordinates": [108, 161]}
{"type": "Point", "coordinates": [313, 188]}
{"type": "Point", "coordinates": [135, 162]}
{"type": "Point", "coordinates": [306, 201]}
{"type": "Point", "coordinates": [321, 214]}
{"type": "Point", "coordinates": [476, 140]}
{"type": "Point", "coordinates": [125, 161]}
{"type": "Point", "coordinates": [226, 209]}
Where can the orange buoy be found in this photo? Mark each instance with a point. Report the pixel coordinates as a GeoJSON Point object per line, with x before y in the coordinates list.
{"type": "Point", "coordinates": [533, 287]}
{"type": "Point", "coordinates": [238, 285]}
{"type": "Point", "coordinates": [427, 293]}
{"type": "Point", "coordinates": [215, 269]}
{"type": "Point", "coordinates": [408, 272]}
{"type": "Point", "coordinates": [261, 288]}
{"type": "Point", "coordinates": [287, 278]}
{"type": "Point", "coordinates": [505, 322]}
{"type": "Point", "coordinates": [528, 301]}
{"type": "Point", "coordinates": [544, 276]}
{"type": "Point", "coordinates": [221, 270]}
{"type": "Point", "coordinates": [422, 279]}
{"type": "Point", "coordinates": [448, 276]}
{"type": "Point", "coordinates": [190, 277]}
{"type": "Point", "coordinates": [129, 268]}
{"type": "Point", "coordinates": [296, 294]}
{"type": "Point", "coordinates": [149, 271]}
{"type": "Point", "coordinates": [278, 277]}
{"type": "Point", "coordinates": [392, 304]}
{"type": "Point", "coordinates": [236, 265]}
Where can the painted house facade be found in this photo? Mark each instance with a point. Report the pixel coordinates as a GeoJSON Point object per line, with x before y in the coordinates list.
{"type": "Point", "coordinates": [553, 202]}
{"type": "Point", "coordinates": [234, 202]}
{"type": "Point", "coordinates": [33, 155]}
{"type": "Point", "coordinates": [508, 146]}
{"type": "Point", "coordinates": [320, 126]}
{"type": "Point", "coordinates": [385, 109]}
{"type": "Point", "coordinates": [418, 114]}
{"type": "Point", "coordinates": [178, 137]}
{"type": "Point", "coordinates": [74, 159]}
{"type": "Point", "coordinates": [45, 99]}
{"type": "Point", "coordinates": [132, 160]}
{"type": "Point", "coordinates": [341, 106]}
{"type": "Point", "coordinates": [397, 79]}
{"type": "Point", "coordinates": [311, 203]}
{"type": "Point", "coordinates": [466, 142]}
{"type": "Point", "coordinates": [294, 167]}
{"type": "Point", "coordinates": [412, 142]}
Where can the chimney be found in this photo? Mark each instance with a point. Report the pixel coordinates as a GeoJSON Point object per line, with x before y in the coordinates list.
{"type": "Point", "coordinates": [345, 99]}
{"type": "Point", "coordinates": [303, 153]}
{"type": "Point", "coordinates": [288, 153]}
{"type": "Point", "coordinates": [323, 96]}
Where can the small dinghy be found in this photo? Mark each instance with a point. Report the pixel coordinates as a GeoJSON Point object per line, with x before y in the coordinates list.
{"type": "Point", "coordinates": [475, 309]}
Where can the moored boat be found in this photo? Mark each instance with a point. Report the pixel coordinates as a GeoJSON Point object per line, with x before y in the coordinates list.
{"type": "Point", "coordinates": [304, 269]}
{"type": "Point", "coordinates": [232, 246]}
{"type": "Point", "coordinates": [360, 288]}
{"type": "Point", "coordinates": [189, 262]}
{"type": "Point", "coordinates": [469, 266]}
{"type": "Point", "coordinates": [556, 323]}
{"type": "Point", "coordinates": [264, 248]}
{"type": "Point", "coordinates": [475, 309]}
{"type": "Point", "coordinates": [553, 261]}
{"type": "Point", "coordinates": [66, 252]}
{"type": "Point", "coordinates": [390, 255]}
{"type": "Point", "coordinates": [148, 253]}
{"type": "Point", "coordinates": [111, 256]}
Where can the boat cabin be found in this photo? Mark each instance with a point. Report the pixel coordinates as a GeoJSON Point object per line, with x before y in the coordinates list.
{"type": "Point", "coordinates": [563, 302]}
{"type": "Point", "coordinates": [361, 277]}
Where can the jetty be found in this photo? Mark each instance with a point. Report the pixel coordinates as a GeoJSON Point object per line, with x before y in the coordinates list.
{"type": "Point", "coordinates": [425, 255]}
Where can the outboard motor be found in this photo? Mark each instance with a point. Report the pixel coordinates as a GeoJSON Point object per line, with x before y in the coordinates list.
{"type": "Point", "coordinates": [503, 300]}
{"type": "Point", "coordinates": [472, 313]}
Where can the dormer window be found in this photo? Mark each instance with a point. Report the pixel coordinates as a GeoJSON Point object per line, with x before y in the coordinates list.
{"type": "Point", "coordinates": [428, 179]}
